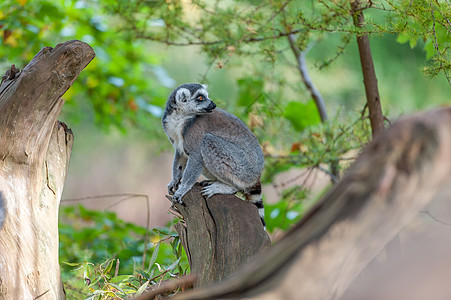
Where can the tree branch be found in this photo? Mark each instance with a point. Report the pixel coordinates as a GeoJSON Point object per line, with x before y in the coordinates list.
{"type": "Point", "coordinates": [302, 67]}
{"type": "Point", "coordinates": [34, 155]}
{"type": "Point", "coordinates": [369, 74]}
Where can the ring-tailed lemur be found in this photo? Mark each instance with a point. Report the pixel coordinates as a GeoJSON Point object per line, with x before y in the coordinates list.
{"type": "Point", "coordinates": [211, 142]}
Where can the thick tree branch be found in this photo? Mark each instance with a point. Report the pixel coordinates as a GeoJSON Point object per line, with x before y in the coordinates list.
{"type": "Point", "coordinates": [369, 74]}
{"type": "Point", "coordinates": [34, 155]}
{"type": "Point", "coordinates": [33, 97]}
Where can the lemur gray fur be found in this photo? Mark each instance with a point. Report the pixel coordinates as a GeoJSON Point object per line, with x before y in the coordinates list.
{"type": "Point", "coordinates": [212, 142]}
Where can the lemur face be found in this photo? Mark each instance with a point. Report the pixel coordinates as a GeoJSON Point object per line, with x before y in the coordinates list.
{"type": "Point", "coordinates": [192, 99]}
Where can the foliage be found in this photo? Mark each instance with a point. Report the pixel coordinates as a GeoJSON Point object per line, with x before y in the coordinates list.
{"type": "Point", "coordinates": [315, 148]}
{"type": "Point", "coordinates": [428, 21]}
{"type": "Point", "coordinates": [260, 28]}
{"type": "Point", "coordinates": [120, 83]}
{"type": "Point", "coordinates": [102, 256]}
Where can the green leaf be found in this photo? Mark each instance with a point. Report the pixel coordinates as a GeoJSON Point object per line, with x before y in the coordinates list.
{"type": "Point", "coordinates": [142, 288]}
{"type": "Point", "coordinates": [429, 49]}
{"type": "Point", "coordinates": [403, 38]}
{"type": "Point", "coordinates": [108, 267]}
{"type": "Point", "coordinates": [442, 33]}
{"type": "Point", "coordinates": [163, 231]}
{"type": "Point", "coordinates": [116, 287]}
{"type": "Point", "coordinates": [174, 264]}
{"type": "Point", "coordinates": [154, 256]}
{"type": "Point", "coordinates": [143, 274]}
{"type": "Point", "coordinates": [282, 214]}
{"type": "Point", "coordinates": [302, 115]}
{"type": "Point", "coordinates": [72, 264]}
{"type": "Point", "coordinates": [120, 278]}
{"type": "Point", "coordinates": [93, 283]}
{"type": "Point", "coordinates": [413, 42]}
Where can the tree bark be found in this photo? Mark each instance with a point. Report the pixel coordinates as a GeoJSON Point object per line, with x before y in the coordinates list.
{"type": "Point", "coordinates": [396, 176]}
{"type": "Point", "coordinates": [34, 155]}
{"type": "Point", "coordinates": [372, 97]}
{"type": "Point", "coordinates": [220, 234]}
{"type": "Point", "coordinates": [369, 74]}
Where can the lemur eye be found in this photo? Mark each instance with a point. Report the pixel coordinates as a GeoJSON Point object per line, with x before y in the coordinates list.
{"type": "Point", "coordinates": [200, 98]}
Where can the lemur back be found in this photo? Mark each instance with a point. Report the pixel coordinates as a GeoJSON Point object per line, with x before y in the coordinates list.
{"type": "Point", "coordinates": [212, 142]}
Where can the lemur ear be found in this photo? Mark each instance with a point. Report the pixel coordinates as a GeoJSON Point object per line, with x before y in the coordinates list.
{"type": "Point", "coordinates": [205, 86]}
{"type": "Point", "coordinates": [182, 95]}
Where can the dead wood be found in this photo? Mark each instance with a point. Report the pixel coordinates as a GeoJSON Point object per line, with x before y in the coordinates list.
{"type": "Point", "coordinates": [220, 234]}
{"type": "Point", "coordinates": [394, 178]}
{"type": "Point", "coordinates": [34, 155]}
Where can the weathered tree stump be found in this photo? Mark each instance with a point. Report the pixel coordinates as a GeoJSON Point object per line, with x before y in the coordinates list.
{"type": "Point", "coordinates": [220, 235]}
{"type": "Point", "coordinates": [394, 178]}
{"type": "Point", "coordinates": [34, 155]}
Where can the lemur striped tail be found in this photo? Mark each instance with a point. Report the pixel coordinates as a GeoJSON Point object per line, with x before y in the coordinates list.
{"type": "Point", "coordinates": [255, 196]}
{"type": "Point", "coordinates": [261, 210]}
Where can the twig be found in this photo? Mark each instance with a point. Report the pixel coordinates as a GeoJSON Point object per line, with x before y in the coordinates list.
{"type": "Point", "coordinates": [72, 288]}
{"type": "Point", "coordinates": [168, 285]}
{"type": "Point", "coordinates": [146, 237]}
{"type": "Point", "coordinates": [437, 47]}
{"type": "Point", "coordinates": [332, 176]}
{"type": "Point", "coordinates": [41, 294]}
{"type": "Point", "coordinates": [434, 218]}
{"type": "Point", "coordinates": [101, 197]}
{"type": "Point", "coordinates": [116, 272]}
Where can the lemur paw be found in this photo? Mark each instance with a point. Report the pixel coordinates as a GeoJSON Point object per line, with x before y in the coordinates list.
{"type": "Point", "coordinates": [205, 183]}
{"type": "Point", "coordinates": [177, 199]}
{"type": "Point", "coordinates": [207, 191]}
{"type": "Point", "coordinates": [172, 187]}
{"type": "Point", "coordinates": [217, 188]}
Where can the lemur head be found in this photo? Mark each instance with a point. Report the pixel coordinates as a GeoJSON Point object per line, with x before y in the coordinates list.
{"type": "Point", "coordinates": [190, 99]}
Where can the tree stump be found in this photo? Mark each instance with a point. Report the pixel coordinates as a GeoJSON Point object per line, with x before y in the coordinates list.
{"type": "Point", "coordinates": [220, 234]}
{"type": "Point", "coordinates": [34, 155]}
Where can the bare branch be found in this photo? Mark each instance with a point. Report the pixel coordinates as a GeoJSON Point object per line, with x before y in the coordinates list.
{"type": "Point", "coordinates": [302, 67]}
{"type": "Point", "coordinates": [169, 285]}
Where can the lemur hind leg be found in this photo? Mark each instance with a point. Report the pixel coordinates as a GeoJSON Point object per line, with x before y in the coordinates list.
{"type": "Point", "coordinates": [210, 178]}
{"type": "Point", "coordinates": [218, 187]}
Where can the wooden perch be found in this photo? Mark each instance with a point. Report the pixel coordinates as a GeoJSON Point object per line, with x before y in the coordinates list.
{"type": "Point", "coordinates": [394, 178]}
{"type": "Point", "coordinates": [221, 234]}
{"type": "Point", "coordinates": [34, 155]}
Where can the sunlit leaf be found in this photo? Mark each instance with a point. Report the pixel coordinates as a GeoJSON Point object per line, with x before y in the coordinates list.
{"type": "Point", "coordinates": [142, 288]}
{"type": "Point", "coordinates": [302, 115]}
{"type": "Point", "coordinates": [403, 38]}
{"type": "Point", "coordinates": [120, 278]}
